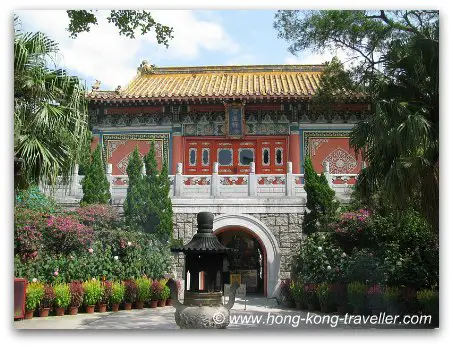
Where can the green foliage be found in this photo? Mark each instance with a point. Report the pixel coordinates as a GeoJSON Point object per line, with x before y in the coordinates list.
{"type": "Point", "coordinates": [50, 118]}
{"type": "Point", "coordinates": [147, 205]}
{"type": "Point", "coordinates": [357, 295]}
{"type": "Point", "coordinates": [296, 289]}
{"type": "Point", "coordinates": [127, 22]}
{"type": "Point", "coordinates": [319, 260]}
{"type": "Point", "coordinates": [320, 200]}
{"type": "Point", "coordinates": [32, 199]}
{"type": "Point", "coordinates": [92, 292]}
{"type": "Point", "coordinates": [333, 83]}
{"type": "Point", "coordinates": [96, 188]}
{"type": "Point", "coordinates": [118, 291]}
{"type": "Point", "coordinates": [165, 293]}
{"type": "Point", "coordinates": [34, 295]}
{"type": "Point", "coordinates": [324, 294]}
{"type": "Point", "coordinates": [429, 300]}
{"type": "Point", "coordinates": [62, 295]}
{"type": "Point", "coordinates": [364, 266]}
{"type": "Point", "coordinates": [143, 288]}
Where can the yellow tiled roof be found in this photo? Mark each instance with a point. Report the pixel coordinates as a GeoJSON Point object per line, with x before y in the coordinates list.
{"type": "Point", "coordinates": [219, 82]}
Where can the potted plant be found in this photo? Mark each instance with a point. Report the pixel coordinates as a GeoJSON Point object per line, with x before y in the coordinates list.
{"type": "Point", "coordinates": [92, 294]}
{"type": "Point", "coordinates": [117, 298]}
{"type": "Point", "coordinates": [310, 290]}
{"type": "Point", "coordinates": [34, 295]}
{"type": "Point", "coordinates": [143, 286]}
{"type": "Point", "coordinates": [324, 297]}
{"type": "Point", "coordinates": [357, 296]}
{"type": "Point", "coordinates": [161, 298]}
{"type": "Point", "coordinates": [155, 293]}
{"type": "Point", "coordinates": [408, 300]}
{"type": "Point", "coordinates": [62, 298]}
{"type": "Point", "coordinates": [339, 297]}
{"type": "Point", "coordinates": [47, 301]}
{"type": "Point", "coordinates": [374, 299]}
{"type": "Point", "coordinates": [106, 295]}
{"type": "Point", "coordinates": [76, 289]}
{"type": "Point", "coordinates": [130, 294]}
{"type": "Point", "coordinates": [166, 296]}
{"type": "Point", "coordinates": [297, 292]}
{"type": "Point", "coordinates": [429, 302]}
{"type": "Point", "coordinates": [390, 300]}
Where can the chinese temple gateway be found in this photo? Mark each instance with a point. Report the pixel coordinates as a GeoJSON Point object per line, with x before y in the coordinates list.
{"type": "Point", "coordinates": [235, 138]}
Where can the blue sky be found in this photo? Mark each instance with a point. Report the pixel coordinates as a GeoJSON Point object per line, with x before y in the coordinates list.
{"type": "Point", "coordinates": [201, 37]}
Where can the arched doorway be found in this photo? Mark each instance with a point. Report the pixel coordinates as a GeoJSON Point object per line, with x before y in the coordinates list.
{"type": "Point", "coordinates": [253, 230]}
{"type": "Point", "coordinates": [249, 259]}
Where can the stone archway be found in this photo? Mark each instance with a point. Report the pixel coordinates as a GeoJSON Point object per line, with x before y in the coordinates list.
{"type": "Point", "coordinates": [266, 239]}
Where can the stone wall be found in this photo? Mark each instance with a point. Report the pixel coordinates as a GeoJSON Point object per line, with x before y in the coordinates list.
{"type": "Point", "coordinates": [286, 227]}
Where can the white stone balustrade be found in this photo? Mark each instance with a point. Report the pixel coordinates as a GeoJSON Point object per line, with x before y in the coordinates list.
{"type": "Point", "coordinates": [252, 185]}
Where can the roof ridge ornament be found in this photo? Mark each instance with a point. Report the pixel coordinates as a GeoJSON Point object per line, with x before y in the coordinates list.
{"type": "Point", "coordinates": [146, 68]}
{"type": "Point", "coordinates": [96, 85]}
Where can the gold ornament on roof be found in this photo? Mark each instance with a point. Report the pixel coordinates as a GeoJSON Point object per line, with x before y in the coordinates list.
{"type": "Point", "coordinates": [146, 68]}
{"type": "Point", "coordinates": [96, 85]}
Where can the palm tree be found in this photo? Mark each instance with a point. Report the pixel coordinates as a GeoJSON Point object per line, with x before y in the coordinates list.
{"type": "Point", "coordinates": [400, 141]}
{"type": "Point", "coordinates": [50, 117]}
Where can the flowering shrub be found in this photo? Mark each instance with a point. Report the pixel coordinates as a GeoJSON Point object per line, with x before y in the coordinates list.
{"type": "Point", "coordinates": [76, 290]}
{"type": "Point", "coordinates": [98, 216]}
{"type": "Point", "coordinates": [64, 234]}
{"type": "Point", "coordinates": [319, 260]}
{"type": "Point", "coordinates": [351, 229]}
{"type": "Point", "coordinates": [28, 225]}
{"type": "Point", "coordinates": [297, 292]}
{"type": "Point", "coordinates": [324, 294]}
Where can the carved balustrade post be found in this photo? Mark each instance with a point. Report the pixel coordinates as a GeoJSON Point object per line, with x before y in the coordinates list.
{"type": "Point", "coordinates": [326, 170]}
{"type": "Point", "coordinates": [108, 175]}
{"type": "Point", "coordinates": [75, 181]}
{"type": "Point", "coordinates": [177, 183]}
{"type": "Point", "coordinates": [252, 183]}
{"type": "Point", "coordinates": [215, 183]}
{"type": "Point", "coordinates": [289, 182]}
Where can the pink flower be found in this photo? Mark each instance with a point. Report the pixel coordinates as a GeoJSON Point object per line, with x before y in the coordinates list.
{"type": "Point", "coordinates": [55, 273]}
{"type": "Point", "coordinates": [90, 250]}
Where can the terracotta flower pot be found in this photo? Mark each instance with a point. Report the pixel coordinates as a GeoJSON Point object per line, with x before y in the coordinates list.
{"type": "Point", "coordinates": [153, 303]}
{"type": "Point", "coordinates": [161, 303]}
{"type": "Point", "coordinates": [139, 305]}
{"type": "Point", "coordinates": [115, 307]}
{"type": "Point", "coordinates": [73, 310]}
{"type": "Point", "coordinates": [44, 312]}
{"type": "Point", "coordinates": [168, 302]}
{"type": "Point", "coordinates": [90, 309]}
{"type": "Point", "coordinates": [127, 305]}
{"type": "Point", "coordinates": [102, 308]}
{"type": "Point", "coordinates": [59, 311]}
{"type": "Point", "coordinates": [29, 314]}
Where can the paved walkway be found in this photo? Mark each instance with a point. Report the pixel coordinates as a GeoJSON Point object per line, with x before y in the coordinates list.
{"type": "Point", "coordinates": [272, 316]}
